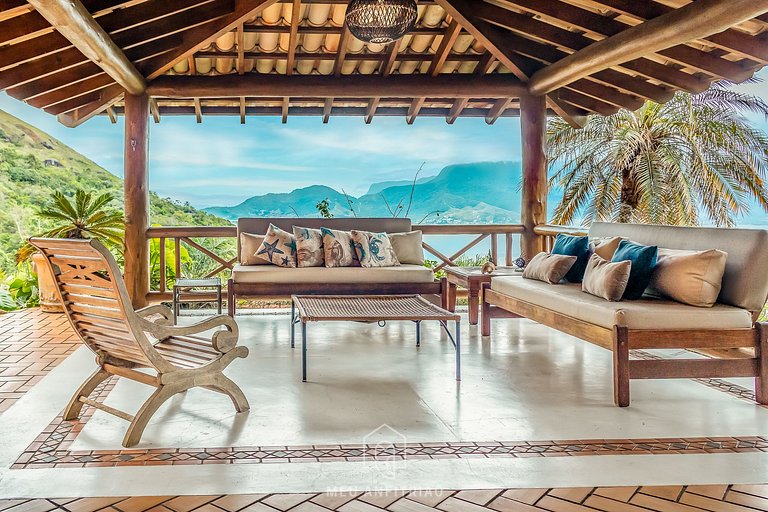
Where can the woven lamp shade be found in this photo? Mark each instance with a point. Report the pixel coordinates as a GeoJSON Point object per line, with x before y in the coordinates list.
{"type": "Point", "coordinates": [381, 21]}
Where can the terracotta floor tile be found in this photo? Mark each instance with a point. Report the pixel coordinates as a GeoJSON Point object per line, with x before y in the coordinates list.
{"type": "Point", "coordinates": [710, 504]}
{"type": "Point", "coordinates": [502, 504]}
{"type": "Point", "coordinates": [381, 499]}
{"type": "Point", "coordinates": [429, 498]}
{"type": "Point", "coordinates": [670, 492]}
{"type": "Point", "coordinates": [235, 502]}
{"type": "Point", "coordinates": [478, 497]}
{"type": "Point", "coordinates": [187, 503]}
{"type": "Point", "coordinates": [755, 490]}
{"type": "Point", "coordinates": [654, 503]}
{"type": "Point", "coordinates": [286, 501]}
{"type": "Point", "coordinates": [528, 496]}
{"type": "Point", "coordinates": [575, 494]}
{"type": "Point", "coordinates": [616, 493]}
{"type": "Point", "coordinates": [408, 505]}
{"type": "Point", "coordinates": [712, 491]}
{"type": "Point", "coordinates": [140, 503]}
{"type": "Point", "coordinates": [33, 506]}
{"type": "Point", "coordinates": [334, 500]}
{"type": "Point", "coordinates": [91, 504]}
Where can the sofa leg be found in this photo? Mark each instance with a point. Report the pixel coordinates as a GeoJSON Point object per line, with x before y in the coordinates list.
{"type": "Point", "coordinates": [231, 298]}
{"type": "Point", "coordinates": [761, 353]}
{"type": "Point", "coordinates": [485, 317]}
{"type": "Point", "coordinates": [620, 366]}
{"type": "Point", "coordinates": [444, 294]}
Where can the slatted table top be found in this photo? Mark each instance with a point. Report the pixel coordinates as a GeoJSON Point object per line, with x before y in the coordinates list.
{"type": "Point", "coordinates": [198, 282]}
{"type": "Point", "coordinates": [368, 308]}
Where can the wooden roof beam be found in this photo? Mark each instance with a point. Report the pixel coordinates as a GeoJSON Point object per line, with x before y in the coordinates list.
{"type": "Point", "coordinates": [74, 22]}
{"type": "Point", "coordinates": [154, 110]}
{"type": "Point", "coordinates": [198, 111]}
{"type": "Point", "coordinates": [242, 110]}
{"type": "Point", "coordinates": [338, 64]}
{"type": "Point", "coordinates": [293, 38]}
{"type": "Point", "coordinates": [441, 54]}
{"type": "Point", "coordinates": [112, 115]}
{"type": "Point", "coordinates": [385, 69]}
{"type": "Point", "coordinates": [353, 86]}
{"type": "Point", "coordinates": [497, 110]}
{"type": "Point", "coordinates": [373, 104]}
{"type": "Point", "coordinates": [193, 39]}
{"type": "Point", "coordinates": [690, 22]}
{"type": "Point", "coordinates": [751, 47]}
{"type": "Point", "coordinates": [240, 50]}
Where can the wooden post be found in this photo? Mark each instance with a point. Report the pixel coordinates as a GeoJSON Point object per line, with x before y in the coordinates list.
{"type": "Point", "coordinates": [136, 191]}
{"type": "Point", "coordinates": [533, 120]}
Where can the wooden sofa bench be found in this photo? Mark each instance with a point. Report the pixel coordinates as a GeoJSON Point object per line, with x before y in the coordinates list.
{"type": "Point", "coordinates": [729, 331]}
{"type": "Point", "coordinates": [271, 281]}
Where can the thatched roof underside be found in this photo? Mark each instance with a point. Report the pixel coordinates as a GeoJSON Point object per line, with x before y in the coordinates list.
{"type": "Point", "coordinates": [303, 38]}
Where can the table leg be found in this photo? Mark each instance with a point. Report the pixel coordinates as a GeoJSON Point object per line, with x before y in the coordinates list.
{"type": "Point", "coordinates": [451, 297]}
{"type": "Point", "coordinates": [175, 305]}
{"type": "Point", "coordinates": [474, 304]}
{"type": "Point", "coordinates": [458, 349]}
{"type": "Point", "coordinates": [418, 333]}
{"type": "Point", "coordinates": [303, 352]}
{"type": "Point", "coordinates": [218, 298]}
{"type": "Point", "coordinates": [293, 325]}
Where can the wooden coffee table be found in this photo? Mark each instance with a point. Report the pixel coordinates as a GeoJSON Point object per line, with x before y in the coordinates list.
{"type": "Point", "coordinates": [472, 279]}
{"type": "Point", "coordinates": [369, 308]}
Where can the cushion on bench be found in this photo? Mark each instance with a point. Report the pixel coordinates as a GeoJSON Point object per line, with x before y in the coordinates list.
{"type": "Point", "coordinates": [569, 300]}
{"type": "Point", "coordinates": [254, 274]}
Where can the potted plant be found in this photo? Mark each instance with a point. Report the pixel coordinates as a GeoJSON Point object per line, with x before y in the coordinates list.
{"type": "Point", "coordinates": [82, 217]}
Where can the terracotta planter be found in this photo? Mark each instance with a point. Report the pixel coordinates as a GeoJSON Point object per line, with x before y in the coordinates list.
{"type": "Point", "coordinates": [49, 299]}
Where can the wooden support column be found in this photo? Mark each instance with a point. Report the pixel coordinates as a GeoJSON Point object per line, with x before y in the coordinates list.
{"type": "Point", "coordinates": [136, 191]}
{"type": "Point", "coordinates": [533, 121]}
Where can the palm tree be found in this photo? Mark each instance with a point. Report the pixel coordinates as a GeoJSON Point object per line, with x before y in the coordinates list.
{"type": "Point", "coordinates": [83, 216]}
{"type": "Point", "coordinates": [674, 163]}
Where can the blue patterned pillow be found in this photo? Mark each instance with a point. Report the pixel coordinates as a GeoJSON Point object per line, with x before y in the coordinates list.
{"type": "Point", "coordinates": [569, 245]}
{"type": "Point", "coordinates": [643, 258]}
{"type": "Point", "coordinates": [374, 249]}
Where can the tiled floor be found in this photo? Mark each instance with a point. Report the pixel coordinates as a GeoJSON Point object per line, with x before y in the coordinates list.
{"type": "Point", "coordinates": [31, 344]}
{"type": "Point", "coordinates": [530, 401]}
{"type": "Point", "coordinates": [694, 498]}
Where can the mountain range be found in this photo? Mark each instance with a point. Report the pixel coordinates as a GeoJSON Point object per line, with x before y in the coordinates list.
{"type": "Point", "coordinates": [480, 192]}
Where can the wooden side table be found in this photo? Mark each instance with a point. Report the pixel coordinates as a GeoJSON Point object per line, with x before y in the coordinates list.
{"type": "Point", "coordinates": [186, 288]}
{"type": "Point", "coordinates": [471, 278]}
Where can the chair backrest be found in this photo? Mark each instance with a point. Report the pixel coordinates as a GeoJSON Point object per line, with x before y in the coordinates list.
{"type": "Point", "coordinates": [745, 282]}
{"type": "Point", "coordinates": [94, 297]}
{"type": "Point", "coordinates": [259, 225]}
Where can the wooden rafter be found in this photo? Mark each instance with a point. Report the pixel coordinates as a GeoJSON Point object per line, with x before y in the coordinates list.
{"type": "Point", "coordinates": [352, 86]}
{"type": "Point", "coordinates": [74, 22]}
{"type": "Point", "coordinates": [385, 69]}
{"type": "Point", "coordinates": [664, 35]}
{"type": "Point", "coordinates": [106, 98]}
{"type": "Point", "coordinates": [293, 40]}
{"type": "Point", "coordinates": [459, 105]}
{"type": "Point", "coordinates": [112, 115]}
{"type": "Point", "coordinates": [240, 50]}
{"type": "Point", "coordinates": [338, 65]}
{"type": "Point", "coordinates": [242, 110]}
{"type": "Point", "coordinates": [198, 110]}
{"type": "Point", "coordinates": [445, 47]}
{"type": "Point", "coordinates": [193, 40]}
{"type": "Point", "coordinates": [154, 110]}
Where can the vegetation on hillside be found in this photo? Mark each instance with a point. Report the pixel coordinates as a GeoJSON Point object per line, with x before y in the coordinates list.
{"type": "Point", "coordinates": [33, 165]}
{"type": "Point", "coordinates": [693, 159]}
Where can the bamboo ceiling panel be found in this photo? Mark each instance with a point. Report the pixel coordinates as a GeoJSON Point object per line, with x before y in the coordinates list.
{"type": "Point", "coordinates": [168, 40]}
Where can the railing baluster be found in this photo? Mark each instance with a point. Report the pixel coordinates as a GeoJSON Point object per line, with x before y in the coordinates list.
{"type": "Point", "coordinates": [177, 256]}
{"type": "Point", "coordinates": [494, 249]}
{"type": "Point", "coordinates": [509, 240]}
{"type": "Point", "coordinates": [163, 277]}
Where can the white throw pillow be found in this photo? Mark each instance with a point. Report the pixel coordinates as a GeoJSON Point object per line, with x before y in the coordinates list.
{"type": "Point", "coordinates": [408, 248]}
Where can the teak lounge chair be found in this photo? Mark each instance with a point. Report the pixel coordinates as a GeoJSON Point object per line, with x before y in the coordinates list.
{"type": "Point", "coordinates": [96, 302]}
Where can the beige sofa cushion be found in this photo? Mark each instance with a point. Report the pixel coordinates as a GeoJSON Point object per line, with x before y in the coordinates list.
{"type": "Point", "coordinates": [605, 279]}
{"type": "Point", "coordinates": [569, 300]}
{"type": "Point", "coordinates": [338, 275]}
{"type": "Point", "coordinates": [249, 245]}
{"type": "Point", "coordinates": [550, 268]}
{"type": "Point", "coordinates": [745, 281]}
{"type": "Point", "coordinates": [690, 277]}
{"type": "Point", "coordinates": [605, 247]}
{"type": "Point", "coordinates": [408, 248]}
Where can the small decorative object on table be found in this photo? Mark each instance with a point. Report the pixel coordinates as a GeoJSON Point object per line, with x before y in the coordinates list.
{"type": "Point", "coordinates": [488, 268]}
{"type": "Point", "coordinates": [520, 263]}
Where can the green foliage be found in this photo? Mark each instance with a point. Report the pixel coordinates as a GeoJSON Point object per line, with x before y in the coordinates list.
{"type": "Point", "coordinates": [30, 173]}
{"type": "Point", "coordinates": [324, 208]}
{"type": "Point", "coordinates": [170, 262]}
{"type": "Point", "coordinates": [477, 260]}
{"type": "Point", "coordinates": [20, 289]}
{"type": "Point", "coordinates": [693, 157]}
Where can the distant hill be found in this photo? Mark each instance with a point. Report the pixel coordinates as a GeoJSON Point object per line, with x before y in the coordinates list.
{"type": "Point", "coordinates": [471, 193]}
{"type": "Point", "coordinates": [33, 164]}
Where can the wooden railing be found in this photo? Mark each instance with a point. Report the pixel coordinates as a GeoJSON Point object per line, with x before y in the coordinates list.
{"type": "Point", "coordinates": [549, 232]}
{"type": "Point", "coordinates": [191, 239]}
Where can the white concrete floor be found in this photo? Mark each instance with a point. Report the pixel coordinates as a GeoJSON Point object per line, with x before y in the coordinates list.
{"type": "Point", "coordinates": [526, 382]}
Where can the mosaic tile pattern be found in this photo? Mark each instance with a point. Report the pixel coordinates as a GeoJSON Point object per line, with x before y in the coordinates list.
{"type": "Point", "coordinates": [693, 498]}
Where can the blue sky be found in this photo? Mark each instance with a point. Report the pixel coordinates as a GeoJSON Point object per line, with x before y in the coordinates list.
{"type": "Point", "coordinates": [221, 162]}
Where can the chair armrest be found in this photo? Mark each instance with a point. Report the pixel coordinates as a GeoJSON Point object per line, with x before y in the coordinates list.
{"type": "Point", "coordinates": [158, 309]}
{"type": "Point", "coordinates": [222, 340]}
